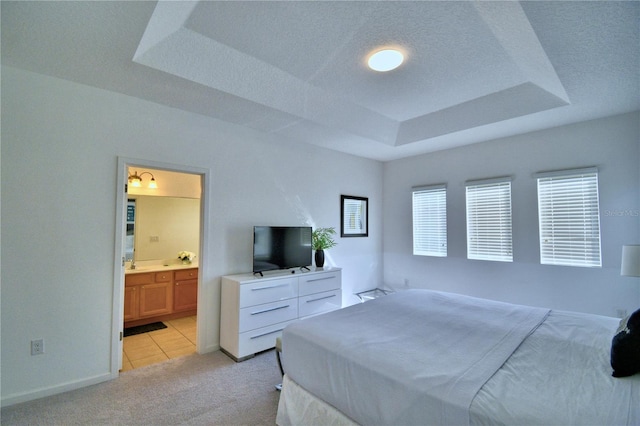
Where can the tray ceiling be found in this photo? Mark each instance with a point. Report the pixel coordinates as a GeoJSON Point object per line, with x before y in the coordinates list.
{"type": "Point", "coordinates": [473, 71]}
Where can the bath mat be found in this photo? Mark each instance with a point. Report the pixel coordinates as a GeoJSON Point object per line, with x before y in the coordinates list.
{"type": "Point", "coordinates": [132, 331]}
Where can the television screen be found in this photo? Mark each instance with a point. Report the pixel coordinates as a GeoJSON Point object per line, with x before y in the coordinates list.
{"type": "Point", "coordinates": [281, 247]}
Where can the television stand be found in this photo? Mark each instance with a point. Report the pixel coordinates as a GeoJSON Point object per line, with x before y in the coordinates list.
{"type": "Point", "coordinates": [254, 310]}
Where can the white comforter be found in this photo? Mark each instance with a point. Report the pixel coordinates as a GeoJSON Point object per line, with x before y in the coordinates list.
{"type": "Point", "coordinates": [561, 375]}
{"type": "Point", "coordinates": [414, 357]}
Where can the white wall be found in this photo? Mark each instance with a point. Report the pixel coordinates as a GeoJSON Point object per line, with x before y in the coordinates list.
{"type": "Point", "coordinates": [60, 146]}
{"type": "Point", "coordinates": [611, 144]}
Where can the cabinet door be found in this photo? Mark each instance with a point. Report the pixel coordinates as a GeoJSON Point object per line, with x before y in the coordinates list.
{"type": "Point", "coordinates": [185, 295]}
{"type": "Point", "coordinates": [131, 303]}
{"type": "Point", "coordinates": [156, 299]}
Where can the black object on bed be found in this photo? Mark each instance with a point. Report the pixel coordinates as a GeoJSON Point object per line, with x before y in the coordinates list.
{"type": "Point", "coordinates": [625, 347]}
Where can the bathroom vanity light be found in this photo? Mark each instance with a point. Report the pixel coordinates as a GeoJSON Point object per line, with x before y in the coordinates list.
{"type": "Point", "coordinates": [136, 180]}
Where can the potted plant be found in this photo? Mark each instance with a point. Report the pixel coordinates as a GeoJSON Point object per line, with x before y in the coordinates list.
{"type": "Point", "coordinates": [321, 240]}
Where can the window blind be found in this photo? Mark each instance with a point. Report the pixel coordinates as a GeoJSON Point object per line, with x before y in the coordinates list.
{"type": "Point", "coordinates": [430, 221]}
{"type": "Point", "coordinates": [569, 218]}
{"type": "Point", "coordinates": [489, 234]}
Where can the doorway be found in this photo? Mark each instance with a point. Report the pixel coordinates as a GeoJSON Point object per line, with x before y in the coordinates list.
{"type": "Point", "coordinates": [179, 327]}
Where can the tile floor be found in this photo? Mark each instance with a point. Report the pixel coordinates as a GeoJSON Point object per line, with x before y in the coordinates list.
{"type": "Point", "coordinates": [178, 339]}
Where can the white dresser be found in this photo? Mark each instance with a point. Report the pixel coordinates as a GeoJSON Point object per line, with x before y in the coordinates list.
{"type": "Point", "coordinates": [255, 310]}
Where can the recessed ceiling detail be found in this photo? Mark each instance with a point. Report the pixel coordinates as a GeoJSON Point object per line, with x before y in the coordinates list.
{"type": "Point", "coordinates": [501, 72]}
{"type": "Point", "coordinates": [473, 70]}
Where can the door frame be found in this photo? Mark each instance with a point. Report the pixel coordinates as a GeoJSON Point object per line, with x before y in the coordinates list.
{"type": "Point", "coordinates": [118, 265]}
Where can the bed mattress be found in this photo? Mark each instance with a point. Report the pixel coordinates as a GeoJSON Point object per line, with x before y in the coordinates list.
{"type": "Point", "coordinates": [381, 363]}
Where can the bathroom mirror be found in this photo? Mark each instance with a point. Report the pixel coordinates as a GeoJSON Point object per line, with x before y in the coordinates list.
{"type": "Point", "coordinates": [161, 227]}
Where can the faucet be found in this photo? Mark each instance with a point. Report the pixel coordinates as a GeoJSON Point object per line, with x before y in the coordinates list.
{"type": "Point", "coordinates": [133, 260]}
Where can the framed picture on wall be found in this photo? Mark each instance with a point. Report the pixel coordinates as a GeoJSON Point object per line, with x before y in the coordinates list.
{"type": "Point", "coordinates": [354, 216]}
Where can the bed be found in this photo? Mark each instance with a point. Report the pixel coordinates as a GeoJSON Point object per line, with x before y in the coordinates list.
{"type": "Point", "coordinates": [427, 357]}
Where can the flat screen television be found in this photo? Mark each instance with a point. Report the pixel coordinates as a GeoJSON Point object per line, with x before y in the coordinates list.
{"type": "Point", "coordinates": [281, 247]}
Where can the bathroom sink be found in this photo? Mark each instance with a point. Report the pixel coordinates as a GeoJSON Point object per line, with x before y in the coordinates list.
{"type": "Point", "coordinates": [158, 267]}
{"type": "Point", "coordinates": [146, 268]}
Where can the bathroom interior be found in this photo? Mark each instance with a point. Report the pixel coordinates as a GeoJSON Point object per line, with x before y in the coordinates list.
{"type": "Point", "coordinates": [163, 223]}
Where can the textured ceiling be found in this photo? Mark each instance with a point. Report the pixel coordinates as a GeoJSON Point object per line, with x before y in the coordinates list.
{"type": "Point", "coordinates": [473, 70]}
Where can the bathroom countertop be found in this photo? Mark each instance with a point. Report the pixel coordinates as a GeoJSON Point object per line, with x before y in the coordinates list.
{"type": "Point", "coordinates": [159, 268]}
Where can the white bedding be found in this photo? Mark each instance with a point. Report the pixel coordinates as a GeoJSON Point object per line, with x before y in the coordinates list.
{"type": "Point", "coordinates": [561, 375]}
{"type": "Point", "coordinates": [378, 352]}
{"type": "Point", "coordinates": [371, 363]}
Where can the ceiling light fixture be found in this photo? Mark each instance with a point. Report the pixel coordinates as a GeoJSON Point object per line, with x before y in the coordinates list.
{"type": "Point", "coordinates": [385, 60]}
{"type": "Point", "coordinates": [136, 180]}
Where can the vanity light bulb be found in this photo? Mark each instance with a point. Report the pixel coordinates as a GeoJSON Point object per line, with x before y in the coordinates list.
{"type": "Point", "coordinates": [153, 184]}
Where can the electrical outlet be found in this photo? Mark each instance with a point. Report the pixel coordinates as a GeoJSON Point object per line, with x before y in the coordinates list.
{"type": "Point", "coordinates": [154, 239]}
{"type": "Point", "coordinates": [37, 347]}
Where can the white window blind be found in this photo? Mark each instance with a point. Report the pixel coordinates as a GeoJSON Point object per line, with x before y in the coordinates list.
{"type": "Point", "coordinates": [430, 221]}
{"type": "Point", "coordinates": [569, 218]}
{"type": "Point", "coordinates": [489, 235]}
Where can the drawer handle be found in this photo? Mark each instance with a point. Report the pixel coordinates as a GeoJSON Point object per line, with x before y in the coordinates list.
{"type": "Point", "coordinates": [321, 298]}
{"type": "Point", "coordinates": [269, 310]}
{"type": "Point", "coordinates": [269, 286]}
{"type": "Point", "coordinates": [322, 279]}
{"type": "Point", "coordinates": [267, 333]}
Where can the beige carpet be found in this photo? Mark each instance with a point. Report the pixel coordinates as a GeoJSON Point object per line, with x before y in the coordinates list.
{"type": "Point", "coordinates": [196, 389]}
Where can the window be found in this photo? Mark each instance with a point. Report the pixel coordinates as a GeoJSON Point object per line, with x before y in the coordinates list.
{"type": "Point", "coordinates": [489, 234]}
{"type": "Point", "coordinates": [430, 221]}
{"type": "Point", "coordinates": [569, 219]}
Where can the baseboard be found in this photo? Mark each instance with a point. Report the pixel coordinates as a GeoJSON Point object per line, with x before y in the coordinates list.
{"type": "Point", "coordinates": [53, 390]}
{"type": "Point", "coordinates": [211, 348]}
{"type": "Point", "coordinates": [66, 387]}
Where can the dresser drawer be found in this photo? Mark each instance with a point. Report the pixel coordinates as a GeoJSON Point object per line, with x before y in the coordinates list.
{"type": "Point", "coordinates": [137, 279]}
{"type": "Point", "coordinates": [257, 293]}
{"type": "Point", "coordinates": [186, 274]}
{"type": "Point", "coordinates": [266, 314]}
{"type": "Point", "coordinates": [164, 277]}
{"type": "Point", "coordinates": [260, 339]}
{"type": "Point", "coordinates": [319, 303]}
{"type": "Point", "coordinates": [318, 283]}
